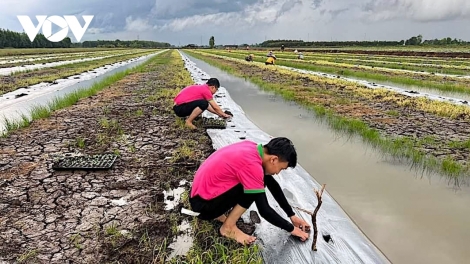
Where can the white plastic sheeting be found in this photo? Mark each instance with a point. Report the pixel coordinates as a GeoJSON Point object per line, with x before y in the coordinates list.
{"type": "Point", "coordinates": [8, 71]}
{"type": "Point", "coordinates": [347, 245]}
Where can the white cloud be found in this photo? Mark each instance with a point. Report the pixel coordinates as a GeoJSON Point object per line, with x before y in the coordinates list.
{"type": "Point", "coordinates": [265, 11]}
{"type": "Point", "coordinates": [138, 24]}
{"type": "Point", "coordinates": [94, 30]}
{"type": "Point", "coordinates": [417, 10]}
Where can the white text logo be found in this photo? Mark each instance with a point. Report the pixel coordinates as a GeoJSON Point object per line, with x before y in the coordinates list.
{"type": "Point", "coordinates": [64, 23]}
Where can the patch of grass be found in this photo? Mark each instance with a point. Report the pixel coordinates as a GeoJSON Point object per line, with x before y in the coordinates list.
{"type": "Point", "coordinates": [80, 142]}
{"type": "Point", "coordinates": [76, 240]}
{"type": "Point", "coordinates": [393, 113]}
{"type": "Point", "coordinates": [27, 256]}
{"type": "Point", "coordinates": [117, 152]}
{"type": "Point", "coordinates": [139, 112]}
{"type": "Point", "coordinates": [210, 247]}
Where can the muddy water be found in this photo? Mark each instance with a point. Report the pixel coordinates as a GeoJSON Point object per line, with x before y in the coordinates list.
{"type": "Point", "coordinates": [411, 219]}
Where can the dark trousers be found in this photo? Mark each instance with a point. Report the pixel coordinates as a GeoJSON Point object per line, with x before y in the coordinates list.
{"type": "Point", "coordinates": [184, 110]}
{"type": "Point", "coordinates": [211, 209]}
{"type": "Point", "coordinates": [269, 63]}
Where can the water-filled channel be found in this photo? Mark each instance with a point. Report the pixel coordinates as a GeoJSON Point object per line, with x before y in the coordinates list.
{"type": "Point", "coordinates": [411, 219]}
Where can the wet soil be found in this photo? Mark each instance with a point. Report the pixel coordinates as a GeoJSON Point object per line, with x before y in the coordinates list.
{"type": "Point", "coordinates": [430, 133]}
{"type": "Point", "coordinates": [49, 216]}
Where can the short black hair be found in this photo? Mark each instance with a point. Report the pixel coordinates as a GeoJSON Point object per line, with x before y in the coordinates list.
{"type": "Point", "coordinates": [213, 82]}
{"type": "Point", "coordinates": [284, 149]}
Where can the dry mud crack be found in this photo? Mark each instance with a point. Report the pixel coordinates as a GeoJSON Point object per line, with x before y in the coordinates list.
{"type": "Point", "coordinates": [49, 216]}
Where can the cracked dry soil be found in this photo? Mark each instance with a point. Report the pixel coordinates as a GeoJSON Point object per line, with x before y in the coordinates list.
{"type": "Point", "coordinates": [49, 216]}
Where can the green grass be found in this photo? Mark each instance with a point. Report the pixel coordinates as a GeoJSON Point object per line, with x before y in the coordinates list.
{"type": "Point", "coordinates": [39, 112]}
{"type": "Point", "coordinates": [210, 247]}
{"type": "Point", "coordinates": [401, 148]}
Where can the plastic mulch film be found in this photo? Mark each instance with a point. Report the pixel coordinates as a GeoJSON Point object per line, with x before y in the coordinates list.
{"type": "Point", "coordinates": [339, 239]}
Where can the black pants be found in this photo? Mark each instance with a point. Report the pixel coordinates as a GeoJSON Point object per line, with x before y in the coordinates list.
{"type": "Point", "coordinates": [184, 110]}
{"type": "Point", "coordinates": [269, 63]}
{"type": "Point", "coordinates": [211, 209]}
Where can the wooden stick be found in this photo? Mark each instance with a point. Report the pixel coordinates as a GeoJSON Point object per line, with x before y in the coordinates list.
{"type": "Point", "coordinates": [314, 217]}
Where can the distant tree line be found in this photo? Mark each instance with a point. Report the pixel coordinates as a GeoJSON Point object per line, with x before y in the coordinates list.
{"type": "Point", "coordinates": [122, 44]}
{"type": "Point", "coordinates": [11, 39]}
{"type": "Point", "coordinates": [415, 40]}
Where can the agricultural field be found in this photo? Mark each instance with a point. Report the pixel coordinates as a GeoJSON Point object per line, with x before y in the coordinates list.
{"type": "Point", "coordinates": [429, 134]}
{"type": "Point", "coordinates": [75, 215]}
{"type": "Point", "coordinates": [24, 71]}
{"type": "Point", "coordinates": [459, 51]}
{"type": "Point", "coordinates": [421, 75]}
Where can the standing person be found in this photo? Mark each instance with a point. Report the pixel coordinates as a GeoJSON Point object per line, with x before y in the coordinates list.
{"type": "Point", "coordinates": [235, 176]}
{"type": "Point", "coordinates": [195, 99]}
{"type": "Point", "coordinates": [282, 47]}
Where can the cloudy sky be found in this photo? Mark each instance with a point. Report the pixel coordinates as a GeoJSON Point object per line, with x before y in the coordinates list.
{"type": "Point", "coordinates": [253, 21]}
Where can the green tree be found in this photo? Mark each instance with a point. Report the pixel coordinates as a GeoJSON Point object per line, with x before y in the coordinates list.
{"type": "Point", "coordinates": [212, 42]}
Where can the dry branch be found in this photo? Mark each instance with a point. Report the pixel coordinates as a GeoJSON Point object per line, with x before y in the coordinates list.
{"type": "Point", "coordinates": [314, 217]}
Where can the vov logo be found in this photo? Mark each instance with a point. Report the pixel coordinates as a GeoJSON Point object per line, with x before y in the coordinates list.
{"type": "Point", "coordinates": [64, 23]}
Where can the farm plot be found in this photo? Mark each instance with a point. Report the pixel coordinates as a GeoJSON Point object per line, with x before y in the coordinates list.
{"type": "Point", "coordinates": [24, 61]}
{"type": "Point", "coordinates": [115, 215]}
{"type": "Point", "coordinates": [431, 135]}
{"type": "Point", "coordinates": [49, 75]}
{"type": "Point", "coordinates": [449, 67]}
{"type": "Point", "coordinates": [442, 83]}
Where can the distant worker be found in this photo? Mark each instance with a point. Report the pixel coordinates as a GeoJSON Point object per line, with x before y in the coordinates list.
{"type": "Point", "coordinates": [271, 60]}
{"type": "Point", "coordinates": [195, 99]}
{"type": "Point", "coordinates": [249, 57]}
{"type": "Point", "coordinates": [300, 56]}
{"type": "Point", "coordinates": [282, 47]}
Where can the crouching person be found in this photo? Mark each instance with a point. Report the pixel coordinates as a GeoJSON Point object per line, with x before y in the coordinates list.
{"type": "Point", "coordinates": [235, 176]}
{"type": "Point", "coordinates": [195, 99]}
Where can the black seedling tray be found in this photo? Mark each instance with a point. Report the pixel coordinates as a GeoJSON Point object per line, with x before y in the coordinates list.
{"type": "Point", "coordinates": [214, 123]}
{"type": "Point", "coordinates": [87, 162]}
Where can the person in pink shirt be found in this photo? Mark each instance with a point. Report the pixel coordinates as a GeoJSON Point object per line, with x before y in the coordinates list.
{"type": "Point", "coordinates": [195, 99]}
{"type": "Point", "coordinates": [235, 176]}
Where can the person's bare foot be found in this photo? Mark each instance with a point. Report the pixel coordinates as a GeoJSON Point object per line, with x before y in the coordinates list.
{"type": "Point", "coordinates": [236, 234]}
{"type": "Point", "coordinates": [221, 218]}
{"type": "Point", "coordinates": [190, 125]}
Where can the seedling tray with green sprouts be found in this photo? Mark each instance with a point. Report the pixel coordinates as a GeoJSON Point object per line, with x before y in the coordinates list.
{"type": "Point", "coordinates": [85, 162]}
{"type": "Point", "coordinates": [214, 123]}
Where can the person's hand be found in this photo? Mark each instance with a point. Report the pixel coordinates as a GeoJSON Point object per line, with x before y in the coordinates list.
{"type": "Point", "coordinates": [300, 223]}
{"type": "Point", "coordinates": [226, 116]}
{"type": "Point", "coordinates": [300, 234]}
